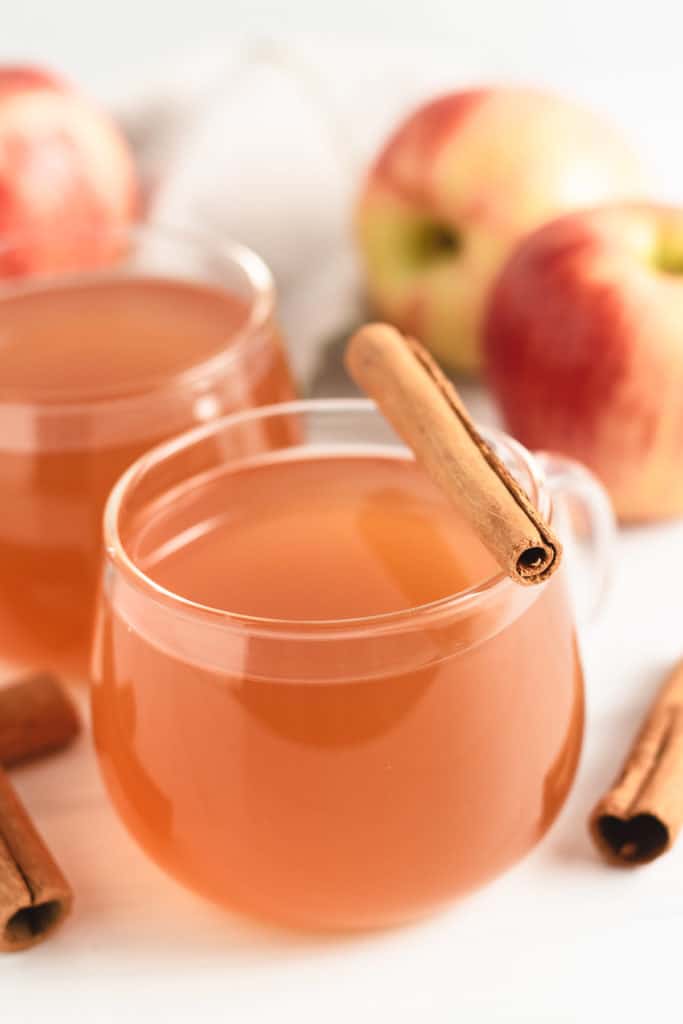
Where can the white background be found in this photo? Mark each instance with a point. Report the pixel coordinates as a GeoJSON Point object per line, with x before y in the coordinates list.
{"type": "Point", "coordinates": [561, 938]}
{"type": "Point", "coordinates": [96, 38]}
{"type": "Point", "coordinates": [624, 59]}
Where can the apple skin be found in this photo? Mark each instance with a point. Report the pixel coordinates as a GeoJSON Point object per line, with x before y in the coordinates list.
{"type": "Point", "coordinates": [584, 349]}
{"type": "Point", "coordinates": [67, 178]}
{"type": "Point", "coordinates": [457, 185]}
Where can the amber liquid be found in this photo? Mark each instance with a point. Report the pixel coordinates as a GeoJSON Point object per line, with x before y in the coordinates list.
{"type": "Point", "coordinates": [92, 352]}
{"type": "Point", "coordinates": [347, 783]}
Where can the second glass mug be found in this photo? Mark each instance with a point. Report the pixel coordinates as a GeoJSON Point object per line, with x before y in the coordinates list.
{"type": "Point", "coordinates": [353, 773]}
{"type": "Point", "coordinates": [62, 448]}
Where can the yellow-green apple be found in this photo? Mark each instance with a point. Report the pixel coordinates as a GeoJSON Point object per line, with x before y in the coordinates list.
{"type": "Point", "coordinates": [584, 349]}
{"type": "Point", "coordinates": [456, 186]}
{"type": "Point", "coordinates": [67, 180]}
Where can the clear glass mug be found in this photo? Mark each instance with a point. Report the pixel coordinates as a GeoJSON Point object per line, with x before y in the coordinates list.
{"type": "Point", "coordinates": [344, 774]}
{"type": "Point", "coordinates": [61, 451]}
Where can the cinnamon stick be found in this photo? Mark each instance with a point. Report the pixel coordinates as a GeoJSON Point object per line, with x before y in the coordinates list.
{"type": "Point", "coordinates": [425, 409]}
{"type": "Point", "coordinates": [640, 817]}
{"type": "Point", "coordinates": [34, 895]}
{"type": "Point", "coordinates": [36, 717]}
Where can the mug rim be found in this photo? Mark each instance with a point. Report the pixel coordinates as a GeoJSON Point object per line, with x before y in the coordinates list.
{"type": "Point", "coordinates": [117, 557]}
{"type": "Point", "coordinates": [262, 303]}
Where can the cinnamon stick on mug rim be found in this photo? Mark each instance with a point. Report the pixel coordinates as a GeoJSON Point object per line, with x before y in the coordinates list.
{"type": "Point", "coordinates": [639, 818]}
{"type": "Point", "coordinates": [427, 412]}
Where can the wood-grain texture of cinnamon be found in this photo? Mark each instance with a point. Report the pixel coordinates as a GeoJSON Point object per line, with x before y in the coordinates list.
{"type": "Point", "coordinates": [36, 717]}
{"type": "Point", "coordinates": [640, 817]}
{"type": "Point", "coordinates": [426, 411]}
{"type": "Point", "coordinates": [34, 895]}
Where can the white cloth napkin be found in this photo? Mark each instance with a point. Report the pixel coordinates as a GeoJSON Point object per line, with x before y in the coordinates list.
{"type": "Point", "coordinates": [267, 143]}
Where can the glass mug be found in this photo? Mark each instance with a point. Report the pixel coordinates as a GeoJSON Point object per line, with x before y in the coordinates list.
{"type": "Point", "coordinates": [96, 367]}
{"type": "Point", "coordinates": [330, 772]}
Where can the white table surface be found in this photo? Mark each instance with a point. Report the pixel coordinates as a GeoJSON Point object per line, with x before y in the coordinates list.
{"type": "Point", "coordinates": [561, 938]}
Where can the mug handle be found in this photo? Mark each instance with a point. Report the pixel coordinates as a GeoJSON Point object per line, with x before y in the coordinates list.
{"type": "Point", "coordinates": [589, 521]}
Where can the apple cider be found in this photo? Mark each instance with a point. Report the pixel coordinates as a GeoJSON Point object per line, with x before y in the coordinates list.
{"type": "Point", "coordinates": [94, 371]}
{"type": "Point", "coordinates": [313, 699]}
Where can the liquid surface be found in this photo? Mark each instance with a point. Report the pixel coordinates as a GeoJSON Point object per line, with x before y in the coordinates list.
{"type": "Point", "coordinates": [350, 778]}
{"type": "Point", "coordinates": [310, 540]}
{"type": "Point", "coordinates": [56, 471]}
{"type": "Point", "coordinates": [109, 335]}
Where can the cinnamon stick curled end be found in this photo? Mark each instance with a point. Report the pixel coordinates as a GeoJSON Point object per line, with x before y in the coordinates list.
{"type": "Point", "coordinates": [633, 840]}
{"type": "Point", "coordinates": [31, 923]}
{"type": "Point", "coordinates": [641, 816]}
{"type": "Point", "coordinates": [426, 411]}
{"type": "Point", "coordinates": [534, 563]}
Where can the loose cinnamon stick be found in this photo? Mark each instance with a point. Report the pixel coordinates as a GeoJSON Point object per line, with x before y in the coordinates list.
{"type": "Point", "coordinates": [640, 817]}
{"type": "Point", "coordinates": [36, 717]}
{"type": "Point", "coordinates": [427, 412]}
{"type": "Point", "coordinates": [34, 895]}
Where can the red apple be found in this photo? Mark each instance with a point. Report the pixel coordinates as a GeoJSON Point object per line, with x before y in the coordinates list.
{"type": "Point", "coordinates": [67, 180]}
{"type": "Point", "coordinates": [584, 349]}
{"type": "Point", "coordinates": [454, 189]}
